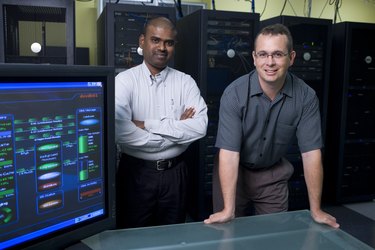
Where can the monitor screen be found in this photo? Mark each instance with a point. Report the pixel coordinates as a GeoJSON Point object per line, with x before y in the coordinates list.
{"type": "Point", "coordinates": [57, 154]}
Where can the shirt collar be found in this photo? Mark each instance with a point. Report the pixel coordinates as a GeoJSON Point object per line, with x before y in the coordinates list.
{"type": "Point", "coordinates": [256, 89]}
{"type": "Point", "coordinates": [160, 77]}
{"type": "Point", "coordinates": [255, 85]}
{"type": "Point", "coordinates": [288, 86]}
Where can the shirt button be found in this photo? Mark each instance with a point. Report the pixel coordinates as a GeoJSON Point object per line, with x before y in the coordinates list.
{"type": "Point", "coordinates": [264, 138]}
{"type": "Point", "coordinates": [261, 155]}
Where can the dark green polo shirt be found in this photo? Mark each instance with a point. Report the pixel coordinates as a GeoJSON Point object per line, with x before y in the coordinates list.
{"type": "Point", "coordinates": [264, 134]}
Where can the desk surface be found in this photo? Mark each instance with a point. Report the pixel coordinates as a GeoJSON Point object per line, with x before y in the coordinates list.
{"type": "Point", "coordinates": [290, 230]}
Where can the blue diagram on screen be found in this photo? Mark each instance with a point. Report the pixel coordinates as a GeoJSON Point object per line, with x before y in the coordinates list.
{"type": "Point", "coordinates": [51, 157]}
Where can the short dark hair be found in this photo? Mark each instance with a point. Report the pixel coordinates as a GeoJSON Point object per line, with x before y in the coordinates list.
{"type": "Point", "coordinates": [276, 29]}
{"type": "Point", "coordinates": [160, 21]}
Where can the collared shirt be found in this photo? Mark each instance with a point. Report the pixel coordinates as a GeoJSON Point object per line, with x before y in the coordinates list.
{"type": "Point", "coordinates": [159, 101]}
{"type": "Point", "coordinates": [264, 135]}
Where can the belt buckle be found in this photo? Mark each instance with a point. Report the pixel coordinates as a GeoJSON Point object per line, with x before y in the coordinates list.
{"type": "Point", "coordinates": [160, 164]}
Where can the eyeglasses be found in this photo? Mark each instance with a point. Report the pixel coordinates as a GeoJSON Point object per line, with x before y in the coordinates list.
{"type": "Point", "coordinates": [275, 55]}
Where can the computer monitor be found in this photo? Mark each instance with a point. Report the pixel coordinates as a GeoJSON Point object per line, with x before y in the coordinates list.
{"type": "Point", "coordinates": [57, 154]}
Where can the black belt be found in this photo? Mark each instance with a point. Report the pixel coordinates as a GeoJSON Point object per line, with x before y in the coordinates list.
{"type": "Point", "coordinates": [159, 165]}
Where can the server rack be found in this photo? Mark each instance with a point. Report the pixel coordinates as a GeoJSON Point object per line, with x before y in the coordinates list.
{"type": "Point", "coordinates": [214, 47]}
{"type": "Point", "coordinates": [118, 30]}
{"type": "Point", "coordinates": [312, 38]}
{"type": "Point", "coordinates": [41, 13]}
{"type": "Point", "coordinates": [351, 136]}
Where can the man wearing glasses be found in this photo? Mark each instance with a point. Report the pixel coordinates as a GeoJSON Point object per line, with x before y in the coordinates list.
{"type": "Point", "coordinates": [260, 113]}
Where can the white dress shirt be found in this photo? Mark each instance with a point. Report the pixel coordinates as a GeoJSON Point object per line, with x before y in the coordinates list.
{"type": "Point", "coordinates": [159, 101]}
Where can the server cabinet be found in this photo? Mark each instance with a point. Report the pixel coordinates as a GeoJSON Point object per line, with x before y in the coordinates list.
{"type": "Point", "coordinates": [118, 30]}
{"type": "Point", "coordinates": [351, 136]}
{"type": "Point", "coordinates": [24, 22]}
{"type": "Point", "coordinates": [214, 47]}
{"type": "Point", "coordinates": [312, 39]}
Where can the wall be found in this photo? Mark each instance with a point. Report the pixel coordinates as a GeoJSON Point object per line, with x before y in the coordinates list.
{"type": "Point", "coordinates": [30, 32]}
{"type": "Point", "coordinates": [351, 10]}
{"type": "Point", "coordinates": [86, 16]}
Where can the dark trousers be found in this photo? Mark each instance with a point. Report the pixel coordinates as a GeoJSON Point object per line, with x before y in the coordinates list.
{"type": "Point", "coordinates": [150, 197]}
{"type": "Point", "coordinates": [258, 191]}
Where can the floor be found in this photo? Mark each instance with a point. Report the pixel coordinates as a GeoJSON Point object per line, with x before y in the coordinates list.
{"type": "Point", "coordinates": [366, 208]}
{"type": "Point", "coordinates": [357, 219]}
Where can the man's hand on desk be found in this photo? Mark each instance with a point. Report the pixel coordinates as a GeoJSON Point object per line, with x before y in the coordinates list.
{"type": "Point", "coordinates": [219, 217]}
{"type": "Point", "coordinates": [318, 216]}
{"type": "Point", "coordinates": [322, 217]}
